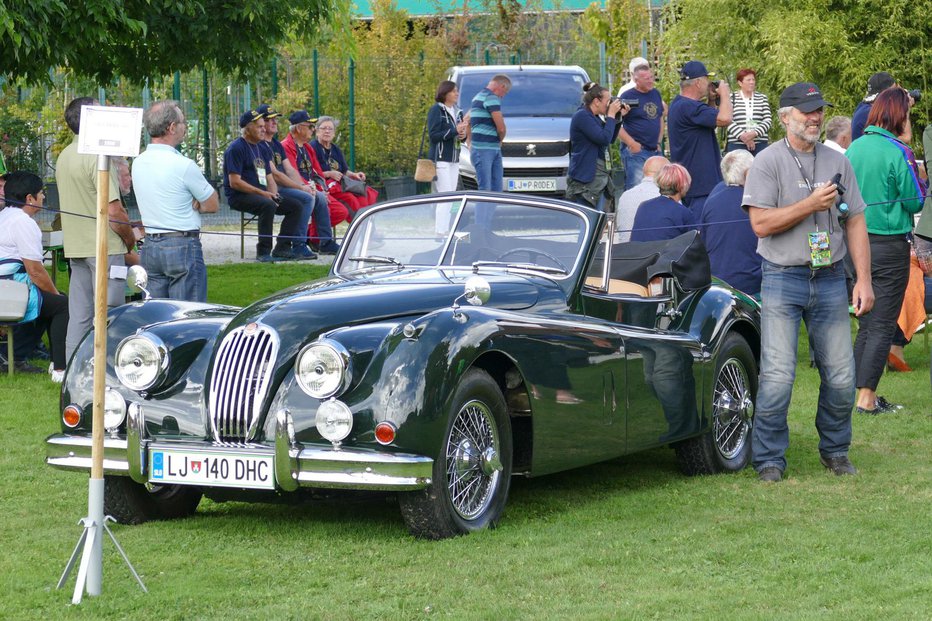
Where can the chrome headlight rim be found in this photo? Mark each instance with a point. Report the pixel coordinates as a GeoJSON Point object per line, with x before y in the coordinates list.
{"type": "Point", "coordinates": [342, 355]}
{"type": "Point", "coordinates": [160, 348]}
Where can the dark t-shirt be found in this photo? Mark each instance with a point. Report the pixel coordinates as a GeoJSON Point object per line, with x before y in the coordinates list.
{"type": "Point", "coordinates": [275, 152]}
{"type": "Point", "coordinates": [859, 120]}
{"type": "Point", "coordinates": [732, 245]}
{"type": "Point", "coordinates": [330, 159]}
{"type": "Point", "coordinates": [643, 122]}
{"type": "Point", "coordinates": [693, 144]}
{"type": "Point", "coordinates": [661, 218]}
{"type": "Point", "coordinates": [244, 159]}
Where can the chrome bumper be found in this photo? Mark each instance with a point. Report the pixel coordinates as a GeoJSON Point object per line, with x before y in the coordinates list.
{"type": "Point", "coordinates": [295, 465]}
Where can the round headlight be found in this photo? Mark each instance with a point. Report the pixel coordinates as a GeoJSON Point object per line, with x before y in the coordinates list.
{"type": "Point", "coordinates": [334, 420]}
{"type": "Point", "coordinates": [140, 361]}
{"type": "Point", "coordinates": [322, 369]}
{"type": "Point", "coordinates": [114, 409]}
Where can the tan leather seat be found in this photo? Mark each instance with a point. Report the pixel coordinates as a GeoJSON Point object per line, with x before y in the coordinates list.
{"type": "Point", "coordinates": [619, 287]}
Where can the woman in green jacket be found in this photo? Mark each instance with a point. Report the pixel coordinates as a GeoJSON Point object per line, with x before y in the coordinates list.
{"type": "Point", "coordinates": [889, 181]}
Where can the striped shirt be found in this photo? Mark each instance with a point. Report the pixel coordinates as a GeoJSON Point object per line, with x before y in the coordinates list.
{"type": "Point", "coordinates": [753, 115]}
{"type": "Point", "coordinates": [481, 125]}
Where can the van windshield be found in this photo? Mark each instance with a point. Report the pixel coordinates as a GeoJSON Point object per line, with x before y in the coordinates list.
{"type": "Point", "coordinates": [533, 93]}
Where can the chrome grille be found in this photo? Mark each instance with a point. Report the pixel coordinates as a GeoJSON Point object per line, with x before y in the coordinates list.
{"type": "Point", "coordinates": [535, 149]}
{"type": "Point", "coordinates": [240, 380]}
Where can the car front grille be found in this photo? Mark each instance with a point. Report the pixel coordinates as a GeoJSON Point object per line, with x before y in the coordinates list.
{"type": "Point", "coordinates": [535, 149]}
{"type": "Point", "coordinates": [240, 381]}
{"type": "Point", "coordinates": [535, 172]}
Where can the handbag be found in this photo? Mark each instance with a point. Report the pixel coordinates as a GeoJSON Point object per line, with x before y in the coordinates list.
{"type": "Point", "coordinates": [923, 249]}
{"type": "Point", "coordinates": [353, 186]}
{"type": "Point", "coordinates": [426, 169]}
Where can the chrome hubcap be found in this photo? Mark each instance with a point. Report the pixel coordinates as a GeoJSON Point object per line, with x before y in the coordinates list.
{"type": "Point", "coordinates": [473, 465]}
{"type": "Point", "coordinates": [734, 409]}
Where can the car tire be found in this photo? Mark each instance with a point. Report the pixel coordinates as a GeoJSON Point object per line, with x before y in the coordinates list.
{"type": "Point", "coordinates": [475, 454]}
{"type": "Point", "coordinates": [133, 503]}
{"type": "Point", "coordinates": [727, 446]}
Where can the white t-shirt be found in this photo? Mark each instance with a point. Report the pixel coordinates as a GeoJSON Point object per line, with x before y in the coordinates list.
{"type": "Point", "coordinates": [20, 237]}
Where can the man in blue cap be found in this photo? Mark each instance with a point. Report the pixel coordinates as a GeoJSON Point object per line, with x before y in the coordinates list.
{"type": "Point", "coordinates": [249, 186]}
{"type": "Point", "coordinates": [289, 181]}
{"type": "Point", "coordinates": [792, 200]}
{"type": "Point", "coordinates": [692, 122]}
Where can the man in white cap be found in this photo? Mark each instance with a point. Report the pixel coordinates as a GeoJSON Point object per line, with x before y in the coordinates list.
{"type": "Point", "coordinates": [634, 64]}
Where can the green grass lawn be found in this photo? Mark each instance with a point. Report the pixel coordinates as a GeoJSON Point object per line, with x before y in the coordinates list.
{"type": "Point", "coordinates": [626, 539]}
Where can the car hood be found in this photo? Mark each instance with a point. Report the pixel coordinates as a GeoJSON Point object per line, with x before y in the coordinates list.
{"type": "Point", "coordinates": [543, 128]}
{"type": "Point", "coordinates": [302, 312]}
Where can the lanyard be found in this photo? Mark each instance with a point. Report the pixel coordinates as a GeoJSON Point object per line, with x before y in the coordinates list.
{"type": "Point", "coordinates": [799, 165]}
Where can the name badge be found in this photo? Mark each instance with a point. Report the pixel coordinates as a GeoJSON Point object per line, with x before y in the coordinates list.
{"type": "Point", "coordinates": [261, 173]}
{"type": "Point", "coordinates": [820, 252]}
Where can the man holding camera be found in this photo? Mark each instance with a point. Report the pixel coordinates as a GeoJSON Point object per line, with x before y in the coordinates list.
{"type": "Point", "coordinates": [249, 186]}
{"type": "Point", "coordinates": [642, 128]}
{"type": "Point", "coordinates": [692, 124]}
{"type": "Point", "coordinates": [792, 197]}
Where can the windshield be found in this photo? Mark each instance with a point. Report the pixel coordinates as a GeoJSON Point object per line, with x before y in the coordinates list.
{"type": "Point", "coordinates": [461, 233]}
{"type": "Point", "coordinates": [533, 93]}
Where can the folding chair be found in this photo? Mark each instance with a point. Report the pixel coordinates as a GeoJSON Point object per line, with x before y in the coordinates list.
{"type": "Point", "coordinates": [245, 219]}
{"type": "Point", "coordinates": [13, 299]}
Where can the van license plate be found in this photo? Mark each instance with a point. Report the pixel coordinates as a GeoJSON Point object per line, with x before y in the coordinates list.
{"type": "Point", "coordinates": [532, 185]}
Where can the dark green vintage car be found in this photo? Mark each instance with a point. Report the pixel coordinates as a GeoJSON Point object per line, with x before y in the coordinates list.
{"type": "Point", "coordinates": [459, 340]}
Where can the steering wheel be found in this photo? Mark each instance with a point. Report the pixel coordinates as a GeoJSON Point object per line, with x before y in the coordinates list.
{"type": "Point", "coordinates": [533, 253]}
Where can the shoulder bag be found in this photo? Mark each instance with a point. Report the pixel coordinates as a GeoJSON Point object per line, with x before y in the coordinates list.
{"type": "Point", "coordinates": [426, 169]}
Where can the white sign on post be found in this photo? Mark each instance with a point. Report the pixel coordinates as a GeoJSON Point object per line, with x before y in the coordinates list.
{"type": "Point", "coordinates": [107, 130]}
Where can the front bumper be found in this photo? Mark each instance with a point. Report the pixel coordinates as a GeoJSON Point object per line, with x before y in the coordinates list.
{"type": "Point", "coordinates": [295, 465]}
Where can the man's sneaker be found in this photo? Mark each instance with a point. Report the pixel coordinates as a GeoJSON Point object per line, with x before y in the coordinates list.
{"type": "Point", "coordinates": [283, 253]}
{"type": "Point", "coordinates": [265, 258]}
{"type": "Point", "coordinates": [770, 474]}
{"type": "Point", "coordinates": [57, 376]}
{"type": "Point", "coordinates": [838, 465]}
{"type": "Point", "coordinates": [331, 247]}
{"type": "Point", "coordinates": [303, 253]}
{"type": "Point", "coordinates": [24, 367]}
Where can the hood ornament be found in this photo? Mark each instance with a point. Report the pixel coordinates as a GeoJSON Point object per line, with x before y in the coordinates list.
{"type": "Point", "coordinates": [532, 149]}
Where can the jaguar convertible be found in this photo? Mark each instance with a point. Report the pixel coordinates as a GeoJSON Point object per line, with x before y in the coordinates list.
{"type": "Point", "coordinates": [459, 340]}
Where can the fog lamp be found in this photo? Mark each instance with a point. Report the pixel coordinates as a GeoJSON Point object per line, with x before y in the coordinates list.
{"type": "Point", "coordinates": [334, 420]}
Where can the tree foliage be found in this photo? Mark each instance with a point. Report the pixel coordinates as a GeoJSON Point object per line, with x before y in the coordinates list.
{"type": "Point", "coordinates": [621, 25]}
{"type": "Point", "coordinates": [837, 44]}
{"type": "Point", "coordinates": [141, 38]}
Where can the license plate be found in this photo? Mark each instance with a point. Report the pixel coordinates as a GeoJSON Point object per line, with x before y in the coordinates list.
{"type": "Point", "coordinates": [212, 469]}
{"type": "Point", "coordinates": [532, 185]}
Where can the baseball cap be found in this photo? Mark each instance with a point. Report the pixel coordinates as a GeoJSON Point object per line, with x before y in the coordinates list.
{"type": "Point", "coordinates": [694, 69]}
{"type": "Point", "coordinates": [301, 116]}
{"type": "Point", "coordinates": [804, 96]}
{"type": "Point", "coordinates": [878, 82]}
{"type": "Point", "coordinates": [248, 117]}
{"type": "Point", "coordinates": [268, 112]}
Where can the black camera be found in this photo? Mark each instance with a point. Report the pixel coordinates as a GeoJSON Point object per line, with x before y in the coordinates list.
{"type": "Point", "coordinates": [633, 103]}
{"type": "Point", "coordinates": [916, 94]}
{"type": "Point", "coordinates": [715, 83]}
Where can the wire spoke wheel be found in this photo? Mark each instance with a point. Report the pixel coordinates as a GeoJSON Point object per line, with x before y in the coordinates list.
{"type": "Point", "coordinates": [733, 409]}
{"type": "Point", "coordinates": [472, 459]}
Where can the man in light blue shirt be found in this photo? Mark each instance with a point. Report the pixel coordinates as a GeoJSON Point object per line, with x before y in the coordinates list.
{"type": "Point", "coordinates": [172, 193]}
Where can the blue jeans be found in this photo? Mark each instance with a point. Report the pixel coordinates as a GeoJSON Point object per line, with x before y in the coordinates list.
{"type": "Point", "coordinates": [634, 164]}
{"type": "Point", "coordinates": [488, 165]}
{"type": "Point", "coordinates": [176, 268]}
{"type": "Point", "coordinates": [820, 297]}
{"type": "Point", "coordinates": [308, 207]}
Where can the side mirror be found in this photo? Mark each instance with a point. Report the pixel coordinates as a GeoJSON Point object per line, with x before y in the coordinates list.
{"type": "Point", "coordinates": [137, 279]}
{"type": "Point", "coordinates": [477, 290]}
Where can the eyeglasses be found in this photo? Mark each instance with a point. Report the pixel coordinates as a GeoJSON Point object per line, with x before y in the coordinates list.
{"type": "Point", "coordinates": [307, 125]}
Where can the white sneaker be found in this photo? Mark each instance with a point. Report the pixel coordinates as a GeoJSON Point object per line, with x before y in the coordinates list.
{"type": "Point", "coordinates": [57, 376]}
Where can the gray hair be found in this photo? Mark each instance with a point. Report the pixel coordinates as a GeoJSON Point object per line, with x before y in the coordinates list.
{"type": "Point", "coordinates": [644, 67]}
{"type": "Point", "coordinates": [836, 127]}
{"type": "Point", "coordinates": [690, 82]}
{"type": "Point", "coordinates": [735, 166]}
{"type": "Point", "coordinates": [160, 115]}
{"type": "Point", "coordinates": [782, 112]}
{"type": "Point", "coordinates": [324, 119]}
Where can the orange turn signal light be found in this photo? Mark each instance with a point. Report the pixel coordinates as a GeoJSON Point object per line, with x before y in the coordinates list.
{"type": "Point", "coordinates": [72, 415]}
{"type": "Point", "coordinates": [385, 433]}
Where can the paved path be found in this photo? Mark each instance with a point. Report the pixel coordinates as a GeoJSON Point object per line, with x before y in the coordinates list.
{"type": "Point", "coordinates": [222, 245]}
